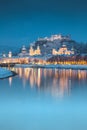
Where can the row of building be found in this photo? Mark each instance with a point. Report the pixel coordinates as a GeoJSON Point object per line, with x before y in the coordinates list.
{"type": "Point", "coordinates": [63, 51]}
{"type": "Point", "coordinates": [32, 51]}
{"type": "Point", "coordinates": [36, 52]}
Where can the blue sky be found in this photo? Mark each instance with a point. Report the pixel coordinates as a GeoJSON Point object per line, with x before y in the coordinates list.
{"type": "Point", "coordinates": [23, 21]}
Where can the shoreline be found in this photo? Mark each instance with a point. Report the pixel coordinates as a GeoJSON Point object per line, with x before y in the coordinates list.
{"type": "Point", "coordinates": [5, 73]}
{"type": "Point", "coordinates": [81, 67]}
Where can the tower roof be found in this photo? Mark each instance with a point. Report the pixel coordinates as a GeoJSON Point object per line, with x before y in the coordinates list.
{"type": "Point", "coordinates": [10, 52]}
{"type": "Point", "coordinates": [23, 48]}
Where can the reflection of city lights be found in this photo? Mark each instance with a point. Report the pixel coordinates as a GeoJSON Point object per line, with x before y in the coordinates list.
{"type": "Point", "coordinates": [24, 82]}
{"type": "Point", "coordinates": [45, 73]}
{"type": "Point", "coordinates": [79, 74]}
{"type": "Point", "coordinates": [56, 73]}
{"type": "Point", "coordinates": [39, 76]}
{"type": "Point", "coordinates": [50, 72]}
{"type": "Point", "coordinates": [10, 81]}
{"type": "Point", "coordinates": [26, 73]}
{"type": "Point", "coordinates": [70, 72]}
{"type": "Point", "coordinates": [20, 72]}
{"type": "Point", "coordinates": [57, 82]}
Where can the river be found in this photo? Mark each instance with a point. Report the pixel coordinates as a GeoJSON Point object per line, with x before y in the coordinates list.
{"type": "Point", "coordinates": [44, 99]}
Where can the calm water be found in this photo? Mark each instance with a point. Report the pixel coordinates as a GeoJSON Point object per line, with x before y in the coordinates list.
{"type": "Point", "coordinates": [44, 99]}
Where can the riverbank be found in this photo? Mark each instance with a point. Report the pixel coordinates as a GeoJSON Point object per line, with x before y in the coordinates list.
{"type": "Point", "coordinates": [7, 65]}
{"type": "Point", "coordinates": [5, 73]}
{"type": "Point", "coordinates": [59, 66]}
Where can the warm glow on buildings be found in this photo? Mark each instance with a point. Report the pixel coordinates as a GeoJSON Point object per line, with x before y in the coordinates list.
{"type": "Point", "coordinates": [33, 52]}
{"type": "Point", "coordinates": [10, 54]}
{"type": "Point", "coordinates": [63, 51]}
{"type": "Point", "coordinates": [10, 81]}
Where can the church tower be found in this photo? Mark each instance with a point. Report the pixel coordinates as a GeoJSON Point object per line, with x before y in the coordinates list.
{"type": "Point", "coordinates": [38, 51]}
{"type": "Point", "coordinates": [10, 54]}
{"type": "Point", "coordinates": [31, 51]}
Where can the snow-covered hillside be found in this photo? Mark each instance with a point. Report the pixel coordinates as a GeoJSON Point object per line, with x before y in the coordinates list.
{"type": "Point", "coordinates": [5, 73]}
{"type": "Point", "coordinates": [54, 42]}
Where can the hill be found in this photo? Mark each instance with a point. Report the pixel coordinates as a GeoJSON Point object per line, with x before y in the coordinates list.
{"type": "Point", "coordinates": [56, 41]}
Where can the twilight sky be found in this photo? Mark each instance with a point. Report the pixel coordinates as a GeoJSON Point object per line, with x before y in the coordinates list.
{"type": "Point", "coordinates": [23, 21]}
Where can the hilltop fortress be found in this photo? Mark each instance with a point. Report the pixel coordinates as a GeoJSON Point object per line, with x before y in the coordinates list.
{"type": "Point", "coordinates": [55, 37]}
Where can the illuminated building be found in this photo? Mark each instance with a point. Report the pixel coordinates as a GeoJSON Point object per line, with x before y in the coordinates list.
{"type": "Point", "coordinates": [37, 51]}
{"type": "Point", "coordinates": [33, 52]}
{"type": "Point", "coordinates": [63, 51]}
{"type": "Point", "coordinates": [54, 37]}
{"type": "Point", "coordinates": [10, 54]}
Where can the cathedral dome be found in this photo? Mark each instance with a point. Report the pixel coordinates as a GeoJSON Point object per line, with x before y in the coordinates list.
{"type": "Point", "coordinates": [23, 49]}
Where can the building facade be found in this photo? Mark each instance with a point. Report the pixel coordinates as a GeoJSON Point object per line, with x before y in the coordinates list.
{"type": "Point", "coordinates": [63, 51]}
{"type": "Point", "coordinates": [33, 52]}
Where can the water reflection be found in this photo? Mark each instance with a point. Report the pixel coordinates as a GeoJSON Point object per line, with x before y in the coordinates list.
{"type": "Point", "coordinates": [10, 81]}
{"type": "Point", "coordinates": [54, 81]}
